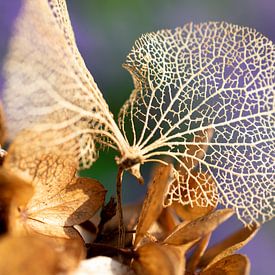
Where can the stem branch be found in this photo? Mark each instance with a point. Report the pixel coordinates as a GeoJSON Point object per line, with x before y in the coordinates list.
{"type": "Point", "coordinates": [121, 228]}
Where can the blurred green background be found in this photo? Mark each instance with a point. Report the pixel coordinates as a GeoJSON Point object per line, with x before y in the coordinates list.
{"type": "Point", "coordinates": [105, 32]}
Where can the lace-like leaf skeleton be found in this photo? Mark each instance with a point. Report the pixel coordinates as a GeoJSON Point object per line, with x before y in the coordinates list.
{"type": "Point", "coordinates": [194, 80]}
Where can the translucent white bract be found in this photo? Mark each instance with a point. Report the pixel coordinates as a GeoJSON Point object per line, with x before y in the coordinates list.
{"type": "Point", "coordinates": [201, 86]}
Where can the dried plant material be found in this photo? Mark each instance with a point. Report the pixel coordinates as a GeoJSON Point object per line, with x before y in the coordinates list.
{"type": "Point", "coordinates": [231, 265]}
{"type": "Point", "coordinates": [200, 196]}
{"type": "Point", "coordinates": [215, 77]}
{"type": "Point", "coordinates": [110, 234]}
{"type": "Point", "coordinates": [69, 251]}
{"type": "Point", "coordinates": [197, 149]}
{"type": "Point", "coordinates": [33, 253]}
{"type": "Point", "coordinates": [30, 227]}
{"type": "Point", "coordinates": [26, 255]}
{"type": "Point", "coordinates": [102, 265]}
{"type": "Point", "coordinates": [153, 202]}
{"type": "Point", "coordinates": [228, 246]}
{"type": "Point", "coordinates": [199, 228]}
{"type": "Point", "coordinates": [73, 205]}
{"type": "Point", "coordinates": [2, 126]}
{"type": "Point", "coordinates": [211, 79]}
{"type": "Point", "coordinates": [61, 102]}
{"type": "Point", "coordinates": [168, 220]}
{"type": "Point", "coordinates": [154, 258]}
{"type": "Point", "coordinates": [197, 254]}
{"type": "Point", "coordinates": [60, 198]}
{"type": "Point", "coordinates": [131, 214]}
{"type": "Point", "coordinates": [13, 192]}
{"type": "Point", "coordinates": [13, 188]}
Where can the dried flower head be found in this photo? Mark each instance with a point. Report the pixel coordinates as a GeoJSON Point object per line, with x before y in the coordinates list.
{"type": "Point", "coordinates": [204, 78]}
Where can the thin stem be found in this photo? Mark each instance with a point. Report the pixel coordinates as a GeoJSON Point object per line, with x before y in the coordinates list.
{"type": "Point", "coordinates": [121, 228]}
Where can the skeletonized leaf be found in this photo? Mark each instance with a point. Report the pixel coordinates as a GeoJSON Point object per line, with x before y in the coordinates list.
{"type": "Point", "coordinates": [153, 202]}
{"type": "Point", "coordinates": [27, 255]}
{"type": "Point", "coordinates": [61, 105]}
{"type": "Point", "coordinates": [199, 195]}
{"type": "Point", "coordinates": [194, 230]}
{"type": "Point", "coordinates": [231, 265]}
{"type": "Point", "coordinates": [154, 258]}
{"type": "Point", "coordinates": [209, 77]}
{"type": "Point", "coordinates": [228, 246]}
{"type": "Point", "coordinates": [197, 150]}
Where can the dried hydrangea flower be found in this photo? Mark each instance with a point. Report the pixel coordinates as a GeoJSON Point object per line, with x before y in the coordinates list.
{"type": "Point", "coordinates": [213, 76]}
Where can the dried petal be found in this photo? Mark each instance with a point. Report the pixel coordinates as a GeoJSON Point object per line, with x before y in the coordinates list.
{"type": "Point", "coordinates": [27, 255]}
{"type": "Point", "coordinates": [197, 254]}
{"type": "Point", "coordinates": [228, 246]}
{"type": "Point", "coordinates": [152, 206]}
{"type": "Point", "coordinates": [168, 220]}
{"type": "Point", "coordinates": [154, 258]}
{"type": "Point", "coordinates": [231, 265]}
{"type": "Point", "coordinates": [199, 228]}
{"type": "Point", "coordinates": [14, 188]}
{"type": "Point", "coordinates": [70, 206]}
{"type": "Point", "coordinates": [33, 227]}
{"type": "Point", "coordinates": [66, 242]}
{"type": "Point", "coordinates": [2, 126]}
{"type": "Point", "coordinates": [69, 251]}
{"type": "Point", "coordinates": [60, 198]}
{"type": "Point", "coordinates": [14, 193]}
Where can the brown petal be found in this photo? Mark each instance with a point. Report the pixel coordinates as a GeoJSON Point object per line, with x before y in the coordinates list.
{"type": "Point", "coordinates": [168, 220]}
{"type": "Point", "coordinates": [72, 205]}
{"type": "Point", "coordinates": [228, 246]}
{"type": "Point", "coordinates": [185, 233]}
{"type": "Point", "coordinates": [14, 193]}
{"type": "Point", "coordinates": [69, 251]}
{"type": "Point", "coordinates": [14, 188]}
{"type": "Point", "coordinates": [155, 259]}
{"type": "Point", "coordinates": [231, 265]}
{"type": "Point", "coordinates": [64, 232]}
{"type": "Point", "coordinates": [66, 242]}
{"type": "Point", "coordinates": [27, 255]}
{"type": "Point", "coordinates": [2, 126]}
{"type": "Point", "coordinates": [197, 254]}
{"type": "Point", "coordinates": [153, 203]}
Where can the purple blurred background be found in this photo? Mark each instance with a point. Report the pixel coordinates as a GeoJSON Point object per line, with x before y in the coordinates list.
{"type": "Point", "coordinates": [105, 31]}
